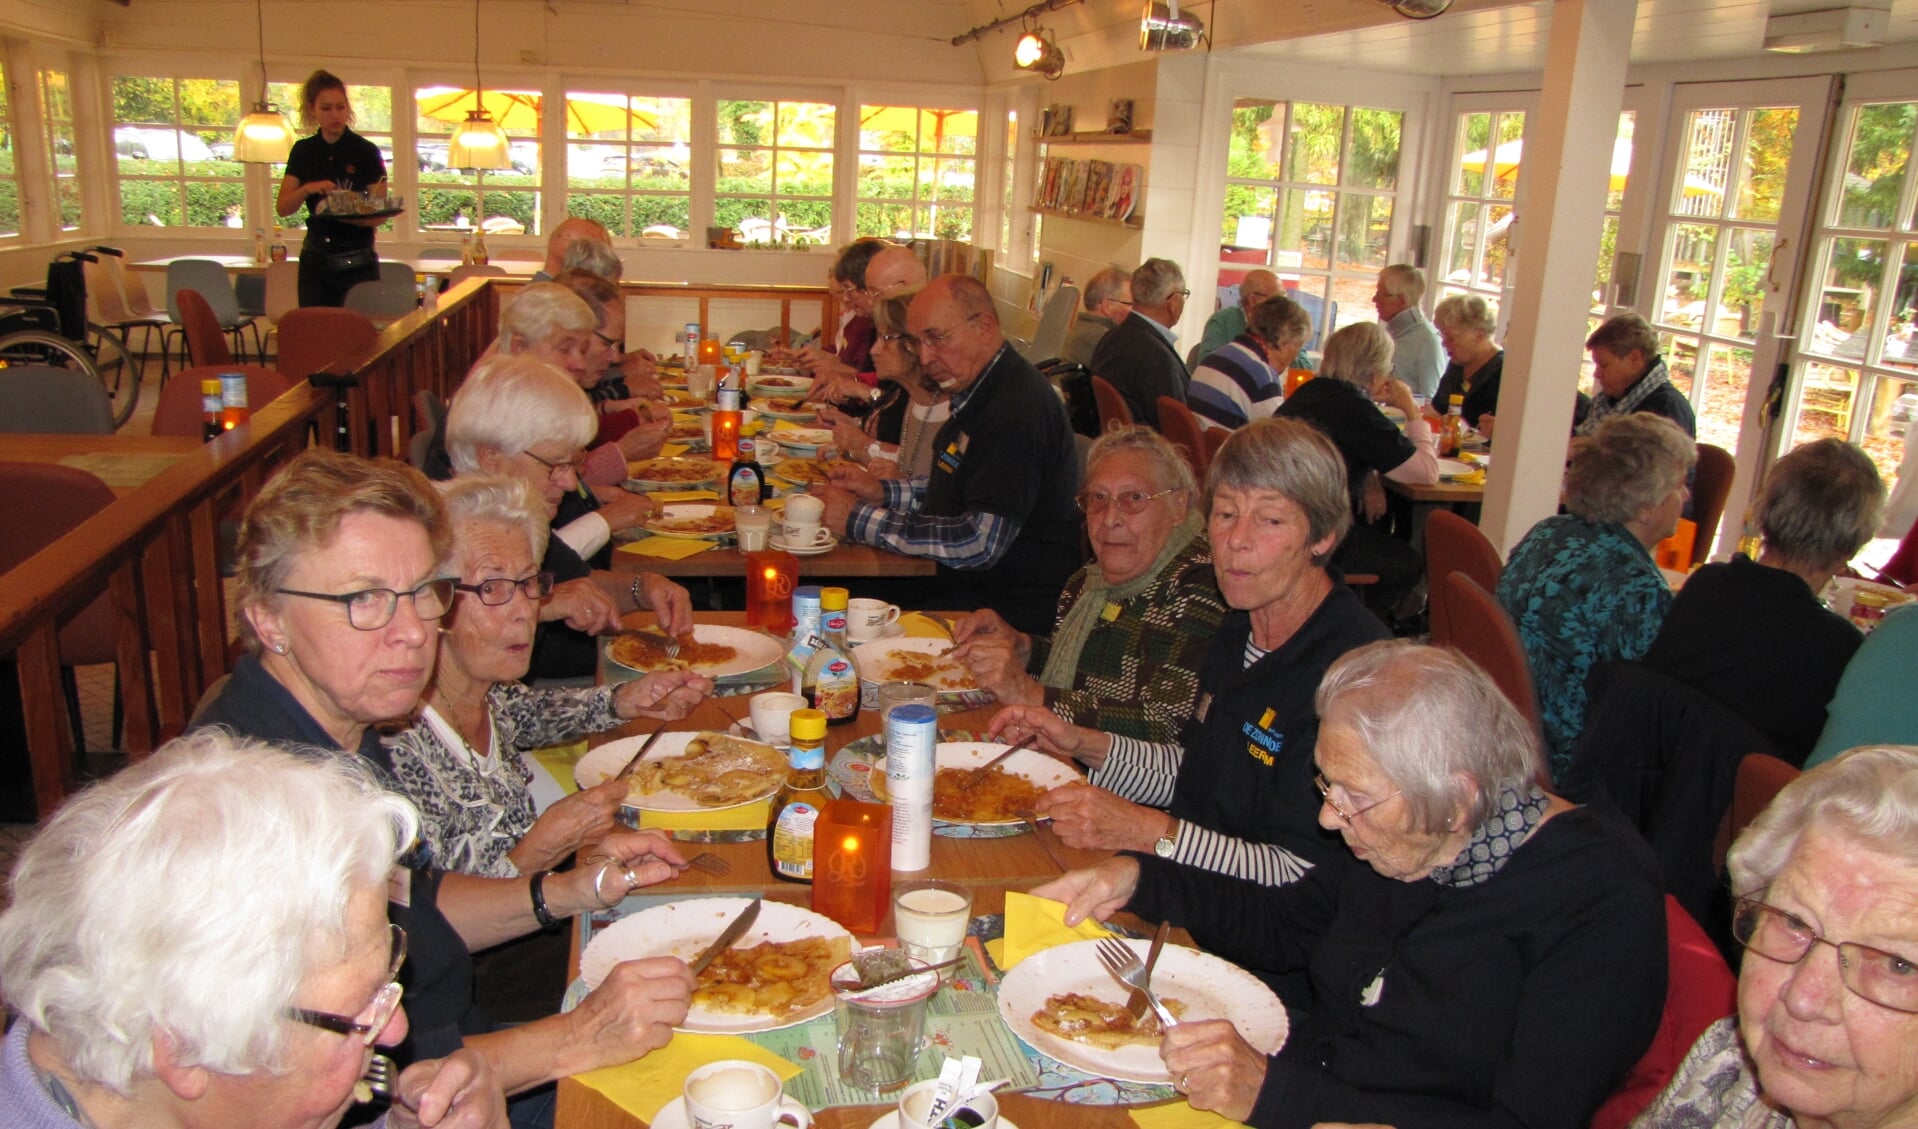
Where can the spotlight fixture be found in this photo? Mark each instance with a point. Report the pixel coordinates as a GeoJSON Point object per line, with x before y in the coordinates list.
{"type": "Point", "coordinates": [1162, 28]}
{"type": "Point", "coordinates": [262, 137]}
{"type": "Point", "coordinates": [1418, 9]}
{"type": "Point", "coordinates": [1038, 53]}
{"type": "Point", "coordinates": [478, 142]}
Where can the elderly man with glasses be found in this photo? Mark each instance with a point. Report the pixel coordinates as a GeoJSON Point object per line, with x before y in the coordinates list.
{"type": "Point", "coordinates": [1107, 301]}
{"type": "Point", "coordinates": [1227, 324]}
{"type": "Point", "coordinates": [996, 511]}
{"type": "Point", "coordinates": [1139, 356]}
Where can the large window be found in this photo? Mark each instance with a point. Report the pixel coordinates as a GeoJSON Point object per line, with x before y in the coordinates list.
{"type": "Point", "coordinates": [917, 167]}
{"type": "Point", "coordinates": [1311, 190]}
{"type": "Point", "coordinates": [503, 201]}
{"type": "Point", "coordinates": [629, 163]}
{"type": "Point", "coordinates": [1476, 249]}
{"type": "Point", "coordinates": [173, 141]}
{"type": "Point", "coordinates": [9, 176]}
{"type": "Point", "coordinates": [776, 170]}
{"type": "Point", "coordinates": [372, 119]}
{"type": "Point", "coordinates": [56, 117]}
{"type": "Point", "coordinates": [1859, 360]}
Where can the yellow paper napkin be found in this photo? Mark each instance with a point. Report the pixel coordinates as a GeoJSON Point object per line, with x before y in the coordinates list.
{"type": "Point", "coordinates": [645, 1086]}
{"type": "Point", "coordinates": [1033, 924]}
{"type": "Point", "coordinates": [1179, 1115]}
{"type": "Point", "coordinates": [560, 760]}
{"type": "Point", "coordinates": [673, 450]}
{"type": "Point", "coordinates": [748, 817]}
{"type": "Point", "coordinates": [920, 626]}
{"type": "Point", "coordinates": [667, 497]}
{"type": "Point", "coordinates": [667, 548]}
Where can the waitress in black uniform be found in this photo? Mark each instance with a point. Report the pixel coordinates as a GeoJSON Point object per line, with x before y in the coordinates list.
{"type": "Point", "coordinates": [338, 253]}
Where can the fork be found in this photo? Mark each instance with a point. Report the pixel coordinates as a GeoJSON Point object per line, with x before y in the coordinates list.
{"type": "Point", "coordinates": [709, 863]}
{"type": "Point", "coordinates": [376, 1082]}
{"type": "Point", "coordinates": [666, 643]}
{"type": "Point", "coordinates": [1126, 967]}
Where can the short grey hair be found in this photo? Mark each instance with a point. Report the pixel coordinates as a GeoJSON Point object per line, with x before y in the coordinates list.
{"type": "Point", "coordinates": [1105, 286]}
{"type": "Point", "coordinates": [855, 257]}
{"type": "Point", "coordinates": [595, 258]}
{"type": "Point", "coordinates": [509, 404]}
{"type": "Point", "coordinates": [128, 918]}
{"type": "Point", "coordinates": [497, 499]}
{"type": "Point", "coordinates": [1297, 461]}
{"type": "Point", "coordinates": [1428, 715]}
{"type": "Point", "coordinates": [1626, 467]}
{"type": "Point", "coordinates": [1169, 468]}
{"type": "Point", "coordinates": [1465, 311]}
{"type": "Point", "coordinates": [1821, 503]}
{"type": "Point", "coordinates": [1622, 333]}
{"type": "Point", "coordinates": [1869, 793]}
{"type": "Point", "coordinates": [1357, 353]}
{"type": "Point", "coordinates": [1155, 280]}
{"type": "Point", "coordinates": [1280, 320]}
{"type": "Point", "coordinates": [1403, 281]}
{"type": "Point", "coordinates": [540, 311]}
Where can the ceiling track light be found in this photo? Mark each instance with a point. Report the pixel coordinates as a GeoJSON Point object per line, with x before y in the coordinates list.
{"type": "Point", "coordinates": [262, 137]}
{"type": "Point", "coordinates": [478, 142]}
{"type": "Point", "coordinates": [1037, 53]}
{"type": "Point", "coordinates": [1418, 9]}
{"type": "Point", "coordinates": [1162, 28]}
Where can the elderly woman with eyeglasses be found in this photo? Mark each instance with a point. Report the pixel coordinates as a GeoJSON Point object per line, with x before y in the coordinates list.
{"type": "Point", "coordinates": [1498, 959]}
{"type": "Point", "coordinates": [146, 993]}
{"type": "Point", "coordinates": [460, 760]}
{"type": "Point", "coordinates": [1134, 625]}
{"type": "Point", "coordinates": [1826, 881]}
{"type": "Point", "coordinates": [1232, 792]}
{"type": "Point", "coordinates": [894, 438]}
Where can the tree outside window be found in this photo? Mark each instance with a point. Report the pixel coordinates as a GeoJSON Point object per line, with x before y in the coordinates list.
{"type": "Point", "coordinates": [502, 201]}
{"type": "Point", "coordinates": [776, 170]}
{"type": "Point", "coordinates": [372, 119]}
{"type": "Point", "coordinates": [917, 169]}
{"type": "Point", "coordinates": [173, 147]}
{"type": "Point", "coordinates": [9, 176]}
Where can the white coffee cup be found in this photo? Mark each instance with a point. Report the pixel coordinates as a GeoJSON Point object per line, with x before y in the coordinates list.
{"type": "Point", "coordinates": [916, 1102]}
{"type": "Point", "coordinates": [736, 1094]}
{"type": "Point", "coordinates": [796, 536]}
{"type": "Point", "coordinates": [772, 715]}
{"type": "Point", "coordinates": [754, 359]}
{"type": "Point", "coordinates": [804, 509]}
{"type": "Point", "coordinates": [867, 619]}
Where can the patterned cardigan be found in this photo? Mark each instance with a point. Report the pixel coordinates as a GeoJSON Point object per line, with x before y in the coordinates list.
{"type": "Point", "coordinates": [1138, 673]}
{"type": "Point", "coordinates": [473, 810]}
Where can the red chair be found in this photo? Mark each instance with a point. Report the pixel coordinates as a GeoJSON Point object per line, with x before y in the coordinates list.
{"type": "Point", "coordinates": [1112, 406]}
{"type": "Point", "coordinates": [179, 411]}
{"type": "Point", "coordinates": [205, 340]}
{"type": "Point", "coordinates": [1699, 991]}
{"type": "Point", "coordinates": [1492, 642]}
{"type": "Point", "coordinates": [1761, 777]}
{"type": "Point", "coordinates": [1181, 428]}
{"type": "Point", "coordinates": [1215, 438]}
{"type": "Point", "coordinates": [1711, 485]}
{"type": "Point", "coordinates": [313, 338]}
{"type": "Point", "coordinates": [1453, 544]}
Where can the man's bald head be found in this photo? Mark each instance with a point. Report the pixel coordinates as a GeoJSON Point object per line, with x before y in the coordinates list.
{"type": "Point", "coordinates": [562, 236]}
{"type": "Point", "coordinates": [958, 330]}
{"type": "Point", "coordinates": [894, 269]}
{"type": "Point", "coordinates": [1256, 287]}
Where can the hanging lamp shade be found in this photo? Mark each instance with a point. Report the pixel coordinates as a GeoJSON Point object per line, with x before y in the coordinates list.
{"type": "Point", "coordinates": [262, 137]}
{"type": "Point", "coordinates": [478, 143]}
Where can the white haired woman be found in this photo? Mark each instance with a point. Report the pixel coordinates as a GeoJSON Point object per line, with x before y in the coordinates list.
{"type": "Point", "coordinates": [1233, 793]}
{"type": "Point", "coordinates": [1499, 960]}
{"type": "Point", "coordinates": [1134, 625]}
{"type": "Point", "coordinates": [893, 438]}
{"type": "Point", "coordinates": [1826, 882]}
{"type": "Point", "coordinates": [460, 760]}
{"type": "Point", "coordinates": [522, 417]}
{"type": "Point", "coordinates": [1582, 587]}
{"type": "Point", "coordinates": [148, 994]}
{"type": "Point", "coordinates": [1465, 325]}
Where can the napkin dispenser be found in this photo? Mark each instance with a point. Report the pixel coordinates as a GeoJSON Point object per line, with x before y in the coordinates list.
{"type": "Point", "coordinates": [771, 576]}
{"type": "Point", "coordinates": [852, 864]}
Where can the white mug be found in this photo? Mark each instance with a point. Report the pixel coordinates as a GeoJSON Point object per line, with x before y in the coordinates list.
{"type": "Point", "coordinates": [772, 715]}
{"type": "Point", "coordinates": [811, 536]}
{"type": "Point", "coordinates": [867, 619]}
{"type": "Point", "coordinates": [736, 1094]}
{"type": "Point", "coordinates": [916, 1102]}
{"type": "Point", "coordinates": [804, 509]}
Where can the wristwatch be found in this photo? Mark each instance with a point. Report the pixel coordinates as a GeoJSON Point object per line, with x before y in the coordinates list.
{"type": "Point", "coordinates": [1168, 842]}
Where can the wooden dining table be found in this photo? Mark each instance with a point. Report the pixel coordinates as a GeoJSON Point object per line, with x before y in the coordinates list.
{"type": "Point", "coordinates": [844, 559]}
{"type": "Point", "coordinates": [124, 462]}
{"type": "Point", "coordinates": [988, 867]}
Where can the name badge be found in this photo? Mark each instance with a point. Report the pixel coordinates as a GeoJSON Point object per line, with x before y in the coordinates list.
{"type": "Point", "coordinates": [954, 454]}
{"type": "Point", "coordinates": [1110, 613]}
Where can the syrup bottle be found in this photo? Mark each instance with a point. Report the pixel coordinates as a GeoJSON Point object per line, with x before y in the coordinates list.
{"type": "Point", "coordinates": [795, 809]}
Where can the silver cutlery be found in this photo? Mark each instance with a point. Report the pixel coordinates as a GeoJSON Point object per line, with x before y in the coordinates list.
{"type": "Point", "coordinates": [1025, 743]}
{"type": "Point", "coordinates": [376, 1081]}
{"type": "Point", "coordinates": [1136, 1002]}
{"type": "Point", "coordinates": [1045, 846]}
{"type": "Point", "coordinates": [644, 748]}
{"type": "Point", "coordinates": [727, 936]}
{"type": "Point", "coordinates": [1125, 967]}
{"type": "Point", "coordinates": [709, 863]}
{"type": "Point", "coordinates": [660, 639]}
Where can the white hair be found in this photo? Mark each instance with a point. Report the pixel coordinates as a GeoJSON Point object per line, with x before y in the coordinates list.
{"type": "Point", "coordinates": [1869, 793]}
{"type": "Point", "coordinates": [193, 894]}
{"type": "Point", "coordinates": [497, 498]}
{"type": "Point", "coordinates": [540, 311]}
{"type": "Point", "coordinates": [593, 257]}
{"type": "Point", "coordinates": [509, 404]}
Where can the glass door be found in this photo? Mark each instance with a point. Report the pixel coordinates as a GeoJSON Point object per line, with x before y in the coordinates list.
{"type": "Point", "coordinates": [1476, 252]}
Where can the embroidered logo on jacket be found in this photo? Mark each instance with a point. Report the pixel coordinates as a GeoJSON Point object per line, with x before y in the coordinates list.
{"type": "Point", "coordinates": [1262, 742]}
{"type": "Point", "coordinates": [955, 452]}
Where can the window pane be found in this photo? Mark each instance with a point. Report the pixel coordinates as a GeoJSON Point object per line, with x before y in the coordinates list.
{"type": "Point", "coordinates": [945, 221]}
{"type": "Point", "coordinates": [1894, 411]}
{"type": "Point", "coordinates": [804, 123]}
{"type": "Point", "coordinates": [952, 181]}
{"type": "Point", "coordinates": [1747, 260]}
{"type": "Point", "coordinates": [1248, 217]}
{"type": "Point", "coordinates": [1313, 143]}
{"type": "Point", "coordinates": [745, 170]}
{"type": "Point", "coordinates": [1688, 279]}
{"type": "Point", "coordinates": [1462, 250]}
{"type": "Point", "coordinates": [1498, 244]}
{"type": "Point", "coordinates": [1901, 348]}
{"type": "Point", "coordinates": [887, 178]}
{"type": "Point", "coordinates": [1254, 150]}
{"type": "Point", "coordinates": [1374, 159]}
{"type": "Point", "coordinates": [1720, 403]}
{"type": "Point", "coordinates": [1506, 154]}
{"type": "Point", "coordinates": [745, 123]}
{"type": "Point", "coordinates": [1708, 148]}
{"type": "Point", "coordinates": [1761, 187]}
{"type": "Point", "coordinates": [1602, 277]}
{"type": "Point", "coordinates": [1474, 134]}
{"type": "Point", "coordinates": [1305, 223]}
{"type": "Point", "coordinates": [884, 220]}
{"type": "Point", "coordinates": [1880, 151]}
{"type": "Point", "coordinates": [1365, 225]}
{"type": "Point", "coordinates": [1825, 402]}
{"type": "Point", "coordinates": [1853, 268]}
{"type": "Point", "coordinates": [1681, 361]}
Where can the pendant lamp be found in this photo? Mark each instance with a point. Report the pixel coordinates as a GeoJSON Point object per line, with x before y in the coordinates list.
{"type": "Point", "coordinates": [262, 137]}
{"type": "Point", "coordinates": [479, 142]}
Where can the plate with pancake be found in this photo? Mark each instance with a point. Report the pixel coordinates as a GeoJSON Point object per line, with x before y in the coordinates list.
{"type": "Point", "coordinates": [712, 650]}
{"type": "Point", "coordinates": [800, 472]}
{"type": "Point", "coordinates": [688, 771]}
{"type": "Point", "coordinates": [1105, 1042]}
{"type": "Point", "coordinates": [1000, 796]}
{"type": "Point", "coordinates": [787, 408]}
{"type": "Point", "coordinates": [910, 659]}
{"type": "Point", "coordinates": [801, 441]}
{"type": "Point", "coordinates": [775, 386]}
{"type": "Point", "coordinates": [671, 474]}
{"type": "Point", "coordinates": [777, 975]}
{"type": "Point", "coordinates": [700, 521]}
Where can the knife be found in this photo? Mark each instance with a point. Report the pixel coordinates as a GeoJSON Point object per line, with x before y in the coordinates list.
{"type": "Point", "coordinates": [908, 974]}
{"type": "Point", "coordinates": [1136, 1003]}
{"type": "Point", "coordinates": [644, 747]}
{"type": "Point", "coordinates": [727, 936]}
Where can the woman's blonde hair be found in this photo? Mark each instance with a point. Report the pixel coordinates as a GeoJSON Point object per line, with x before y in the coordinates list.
{"type": "Point", "coordinates": [1357, 353]}
{"type": "Point", "coordinates": [1626, 467]}
{"type": "Point", "coordinates": [316, 84]}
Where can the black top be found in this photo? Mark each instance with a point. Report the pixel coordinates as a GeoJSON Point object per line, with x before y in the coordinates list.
{"type": "Point", "coordinates": [1483, 396]}
{"type": "Point", "coordinates": [438, 973]}
{"type": "Point", "coordinates": [1365, 438]}
{"type": "Point", "coordinates": [558, 650]}
{"type": "Point", "coordinates": [1665, 400]}
{"type": "Point", "coordinates": [1141, 362]}
{"type": "Point", "coordinates": [1521, 1001]}
{"type": "Point", "coordinates": [1757, 640]}
{"type": "Point", "coordinates": [351, 162]}
{"type": "Point", "coordinates": [1008, 450]}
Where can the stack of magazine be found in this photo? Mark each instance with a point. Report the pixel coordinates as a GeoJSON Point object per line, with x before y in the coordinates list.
{"type": "Point", "coordinates": [1100, 189]}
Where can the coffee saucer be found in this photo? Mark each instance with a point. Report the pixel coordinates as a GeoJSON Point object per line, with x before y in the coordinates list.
{"type": "Point", "coordinates": [888, 1120]}
{"type": "Point", "coordinates": [777, 542]}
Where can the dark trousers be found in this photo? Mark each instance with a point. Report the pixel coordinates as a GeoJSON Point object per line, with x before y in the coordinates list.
{"type": "Point", "coordinates": [320, 285]}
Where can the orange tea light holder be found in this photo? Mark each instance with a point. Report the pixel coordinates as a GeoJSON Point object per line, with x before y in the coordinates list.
{"type": "Point", "coordinates": [852, 864]}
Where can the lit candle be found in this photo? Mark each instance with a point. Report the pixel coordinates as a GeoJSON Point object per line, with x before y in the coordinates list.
{"type": "Point", "coordinates": [852, 864]}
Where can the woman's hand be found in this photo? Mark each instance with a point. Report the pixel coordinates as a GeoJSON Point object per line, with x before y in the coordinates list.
{"type": "Point", "coordinates": [996, 665]}
{"type": "Point", "coordinates": [851, 439]}
{"type": "Point", "coordinates": [455, 1092]}
{"type": "Point", "coordinates": [668, 695]}
{"type": "Point", "coordinates": [645, 440]}
{"type": "Point", "coordinates": [988, 622]}
{"type": "Point", "coordinates": [668, 602]}
{"type": "Point", "coordinates": [1097, 893]}
{"type": "Point", "coordinates": [631, 1013]}
{"type": "Point", "coordinates": [1485, 424]}
{"type": "Point", "coordinates": [1056, 734]}
{"type": "Point", "coordinates": [621, 862]}
{"type": "Point", "coordinates": [1388, 390]}
{"type": "Point", "coordinates": [582, 605]}
{"type": "Point", "coordinates": [1213, 1065]}
{"type": "Point", "coordinates": [586, 816]}
{"type": "Point", "coordinates": [1094, 819]}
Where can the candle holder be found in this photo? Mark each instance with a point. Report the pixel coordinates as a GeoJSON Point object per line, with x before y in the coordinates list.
{"type": "Point", "coordinates": [711, 353]}
{"type": "Point", "coordinates": [771, 576]}
{"type": "Point", "coordinates": [852, 864]}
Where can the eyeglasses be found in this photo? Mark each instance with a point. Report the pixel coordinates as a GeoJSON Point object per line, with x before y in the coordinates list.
{"type": "Point", "coordinates": [1180, 294]}
{"type": "Point", "coordinates": [370, 609]}
{"type": "Point", "coordinates": [553, 469]}
{"type": "Point", "coordinates": [1128, 501]}
{"type": "Point", "coordinates": [938, 338]}
{"type": "Point", "coordinates": [1883, 978]}
{"type": "Point", "coordinates": [499, 590]}
{"type": "Point", "coordinates": [905, 341]}
{"type": "Point", "coordinates": [1347, 817]}
{"type": "Point", "coordinates": [377, 1014]}
{"type": "Point", "coordinates": [609, 342]}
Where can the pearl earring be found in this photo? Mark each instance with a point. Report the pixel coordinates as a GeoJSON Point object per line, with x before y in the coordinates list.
{"type": "Point", "coordinates": [279, 648]}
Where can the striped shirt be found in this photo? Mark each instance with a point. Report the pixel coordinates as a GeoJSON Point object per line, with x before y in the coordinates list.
{"type": "Point", "coordinates": [1235, 385]}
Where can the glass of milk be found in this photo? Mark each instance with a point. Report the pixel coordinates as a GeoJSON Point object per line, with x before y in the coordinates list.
{"type": "Point", "coordinates": [931, 918]}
